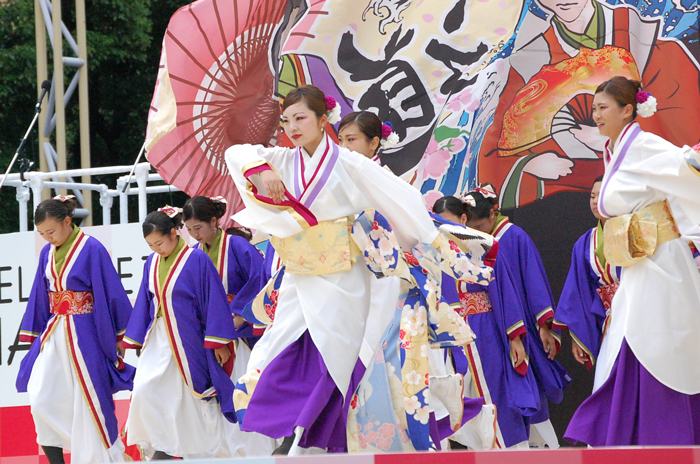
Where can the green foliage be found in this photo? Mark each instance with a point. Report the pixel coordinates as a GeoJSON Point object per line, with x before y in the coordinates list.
{"type": "Point", "coordinates": [124, 42]}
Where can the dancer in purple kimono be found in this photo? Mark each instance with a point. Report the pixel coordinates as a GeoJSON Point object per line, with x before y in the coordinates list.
{"type": "Point", "coordinates": [584, 304]}
{"type": "Point", "coordinates": [183, 325]}
{"type": "Point", "coordinates": [531, 285]}
{"type": "Point", "coordinates": [76, 316]}
{"type": "Point", "coordinates": [240, 267]}
{"type": "Point", "coordinates": [496, 360]}
{"type": "Point", "coordinates": [647, 372]}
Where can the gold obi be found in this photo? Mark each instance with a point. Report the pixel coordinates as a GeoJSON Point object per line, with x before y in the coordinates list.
{"type": "Point", "coordinates": [325, 248]}
{"type": "Point", "coordinates": [632, 237]}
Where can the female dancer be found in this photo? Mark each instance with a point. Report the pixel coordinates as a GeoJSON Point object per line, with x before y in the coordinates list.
{"type": "Point", "coordinates": [240, 267]}
{"type": "Point", "coordinates": [532, 287]}
{"type": "Point", "coordinates": [584, 304]}
{"type": "Point", "coordinates": [76, 316]}
{"type": "Point", "coordinates": [305, 198]}
{"type": "Point", "coordinates": [183, 325]}
{"type": "Point", "coordinates": [496, 360]}
{"type": "Point", "coordinates": [648, 373]}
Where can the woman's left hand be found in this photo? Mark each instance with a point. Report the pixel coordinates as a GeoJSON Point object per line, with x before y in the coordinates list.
{"type": "Point", "coordinates": [548, 341]}
{"type": "Point", "coordinates": [222, 355]}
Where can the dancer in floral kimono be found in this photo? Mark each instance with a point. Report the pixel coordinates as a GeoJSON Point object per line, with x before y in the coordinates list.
{"type": "Point", "coordinates": [75, 320]}
{"type": "Point", "coordinates": [531, 285]}
{"type": "Point", "coordinates": [496, 360]}
{"type": "Point", "coordinates": [306, 199]}
{"type": "Point", "coordinates": [648, 361]}
{"type": "Point", "coordinates": [240, 266]}
{"type": "Point", "coordinates": [585, 301]}
{"type": "Point", "coordinates": [183, 325]}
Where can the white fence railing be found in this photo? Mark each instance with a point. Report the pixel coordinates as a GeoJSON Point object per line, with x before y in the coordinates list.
{"type": "Point", "coordinates": [35, 182]}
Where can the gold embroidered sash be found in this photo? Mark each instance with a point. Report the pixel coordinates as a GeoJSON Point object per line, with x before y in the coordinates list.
{"type": "Point", "coordinates": [325, 248]}
{"type": "Point", "coordinates": [632, 237]}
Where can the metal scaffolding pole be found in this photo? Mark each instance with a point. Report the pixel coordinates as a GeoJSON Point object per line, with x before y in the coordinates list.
{"type": "Point", "coordinates": [83, 103]}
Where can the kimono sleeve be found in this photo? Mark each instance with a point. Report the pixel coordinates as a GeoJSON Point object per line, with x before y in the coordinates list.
{"type": "Point", "coordinates": [109, 293]}
{"type": "Point", "coordinates": [510, 314]}
{"type": "Point", "coordinates": [38, 310]}
{"type": "Point", "coordinates": [580, 309]}
{"type": "Point", "coordinates": [398, 201]}
{"type": "Point", "coordinates": [537, 293]}
{"type": "Point", "coordinates": [212, 301]}
{"type": "Point", "coordinates": [142, 314]}
{"type": "Point", "coordinates": [246, 274]}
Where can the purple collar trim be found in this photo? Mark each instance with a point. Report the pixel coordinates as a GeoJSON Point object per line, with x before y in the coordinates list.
{"type": "Point", "coordinates": [325, 174]}
{"type": "Point", "coordinates": [636, 130]}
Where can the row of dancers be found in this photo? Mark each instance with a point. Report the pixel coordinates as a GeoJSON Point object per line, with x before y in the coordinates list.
{"type": "Point", "coordinates": [370, 324]}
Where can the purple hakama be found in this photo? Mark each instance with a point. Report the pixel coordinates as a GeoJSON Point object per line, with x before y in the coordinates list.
{"type": "Point", "coordinates": [633, 408]}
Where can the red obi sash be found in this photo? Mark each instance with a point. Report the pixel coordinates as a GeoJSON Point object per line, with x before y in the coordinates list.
{"type": "Point", "coordinates": [607, 293]}
{"type": "Point", "coordinates": [474, 303]}
{"type": "Point", "coordinates": [230, 297]}
{"type": "Point", "coordinates": [70, 303]}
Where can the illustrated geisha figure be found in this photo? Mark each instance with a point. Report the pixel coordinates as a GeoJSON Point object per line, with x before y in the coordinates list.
{"type": "Point", "coordinates": [543, 139]}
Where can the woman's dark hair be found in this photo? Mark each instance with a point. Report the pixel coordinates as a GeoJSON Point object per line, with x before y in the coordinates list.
{"type": "Point", "coordinates": [369, 124]}
{"type": "Point", "coordinates": [160, 222]}
{"type": "Point", "coordinates": [450, 204]}
{"type": "Point", "coordinates": [483, 207]}
{"type": "Point", "coordinates": [55, 209]}
{"type": "Point", "coordinates": [309, 94]}
{"type": "Point", "coordinates": [241, 232]}
{"type": "Point", "coordinates": [623, 90]}
{"type": "Point", "coordinates": [598, 179]}
{"type": "Point", "coordinates": [203, 209]}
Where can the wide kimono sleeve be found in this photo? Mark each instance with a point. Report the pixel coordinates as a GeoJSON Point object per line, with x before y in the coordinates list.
{"type": "Point", "coordinates": [505, 301]}
{"type": "Point", "coordinates": [580, 309]}
{"type": "Point", "coordinates": [244, 161]}
{"type": "Point", "coordinates": [528, 268]}
{"type": "Point", "coordinates": [108, 290]}
{"type": "Point", "coordinates": [38, 310]}
{"type": "Point", "coordinates": [212, 302]}
{"type": "Point", "coordinates": [143, 313]}
{"type": "Point", "coordinates": [246, 271]}
{"type": "Point", "coordinates": [396, 199]}
{"type": "Point", "coordinates": [112, 304]}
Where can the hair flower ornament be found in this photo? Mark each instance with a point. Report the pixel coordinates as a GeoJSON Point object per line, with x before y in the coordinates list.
{"type": "Point", "coordinates": [646, 104]}
{"type": "Point", "coordinates": [218, 199]}
{"type": "Point", "coordinates": [486, 190]}
{"type": "Point", "coordinates": [171, 211]}
{"type": "Point", "coordinates": [63, 198]}
{"type": "Point", "coordinates": [333, 110]}
{"type": "Point", "coordinates": [389, 137]}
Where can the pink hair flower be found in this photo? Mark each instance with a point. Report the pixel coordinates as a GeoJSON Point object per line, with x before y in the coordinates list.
{"type": "Point", "coordinates": [642, 96]}
{"type": "Point", "coordinates": [386, 130]}
{"type": "Point", "coordinates": [330, 103]}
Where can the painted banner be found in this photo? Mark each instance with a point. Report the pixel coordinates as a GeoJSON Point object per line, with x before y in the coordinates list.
{"type": "Point", "coordinates": [478, 90]}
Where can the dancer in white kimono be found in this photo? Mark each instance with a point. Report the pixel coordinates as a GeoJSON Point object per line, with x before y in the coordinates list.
{"type": "Point", "coordinates": [648, 375]}
{"type": "Point", "coordinates": [306, 198]}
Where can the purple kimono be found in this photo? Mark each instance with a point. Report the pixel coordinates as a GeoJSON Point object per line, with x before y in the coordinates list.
{"type": "Point", "coordinates": [531, 284]}
{"type": "Point", "coordinates": [198, 320]}
{"type": "Point", "coordinates": [93, 327]}
{"type": "Point", "coordinates": [584, 304]}
{"type": "Point", "coordinates": [242, 265]}
{"type": "Point", "coordinates": [495, 314]}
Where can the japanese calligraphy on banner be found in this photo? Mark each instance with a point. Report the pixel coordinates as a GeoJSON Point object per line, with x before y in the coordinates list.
{"type": "Point", "coordinates": [478, 91]}
{"type": "Point", "coordinates": [495, 91]}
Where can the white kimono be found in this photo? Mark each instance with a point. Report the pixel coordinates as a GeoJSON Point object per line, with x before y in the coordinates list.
{"type": "Point", "coordinates": [657, 307]}
{"type": "Point", "coordinates": [331, 184]}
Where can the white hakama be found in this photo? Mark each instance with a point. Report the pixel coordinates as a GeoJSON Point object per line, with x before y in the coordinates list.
{"type": "Point", "coordinates": [164, 414]}
{"type": "Point", "coordinates": [61, 415]}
